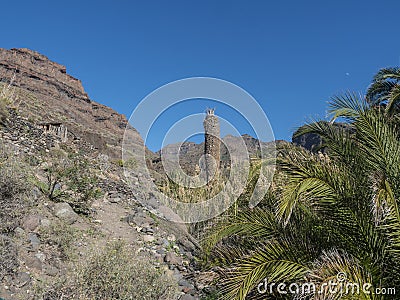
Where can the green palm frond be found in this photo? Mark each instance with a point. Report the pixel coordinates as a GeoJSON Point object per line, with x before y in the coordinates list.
{"type": "Point", "coordinates": [313, 183]}
{"type": "Point", "coordinates": [387, 73]}
{"type": "Point", "coordinates": [337, 138]}
{"type": "Point", "coordinates": [251, 222]}
{"type": "Point", "coordinates": [387, 216]}
{"type": "Point", "coordinates": [378, 141]}
{"type": "Point", "coordinates": [393, 99]}
{"type": "Point", "coordinates": [385, 90]}
{"type": "Point", "coordinates": [226, 254]}
{"type": "Point", "coordinates": [338, 275]}
{"type": "Point", "coordinates": [379, 91]}
{"type": "Point", "coordinates": [392, 230]}
{"type": "Point", "coordinates": [347, 106]}
{"type": "Point", "coordinates": [275, 261]}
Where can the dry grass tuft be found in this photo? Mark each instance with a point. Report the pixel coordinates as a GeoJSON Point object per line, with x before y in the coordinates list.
{"type": "Point", "coordinates": [113, 272]}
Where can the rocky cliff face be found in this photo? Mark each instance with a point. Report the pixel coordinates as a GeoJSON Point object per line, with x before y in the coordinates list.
{"type": "Point", "coordinates": [46, 93]}
{"type": "Point", "coordinates": [310, 141]}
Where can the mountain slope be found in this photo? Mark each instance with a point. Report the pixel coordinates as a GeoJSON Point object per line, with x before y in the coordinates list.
{"type": "Point", "coordinates": [47, 93]}
{"type": "Point", "coordinates": [46, 180]}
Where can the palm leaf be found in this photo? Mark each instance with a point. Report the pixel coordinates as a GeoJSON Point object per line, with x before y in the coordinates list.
{"type": "Point", "coordinates": [276, 261]}
{"type": "Point", "coordinates": [338, 275]}
{"type": "Point", "coordinates": [348, 106]}
{"type": "Point", "coordinates": [251, 222]}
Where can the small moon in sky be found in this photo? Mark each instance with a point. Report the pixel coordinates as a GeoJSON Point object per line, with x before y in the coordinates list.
{"type": "Point", "coordinates": [347, 74]}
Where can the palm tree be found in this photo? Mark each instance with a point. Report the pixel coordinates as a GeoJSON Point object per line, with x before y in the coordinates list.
{"type": "Point", "coordinates": [330, 215]}
{"type": "Point", "coordinates": [385, 90]}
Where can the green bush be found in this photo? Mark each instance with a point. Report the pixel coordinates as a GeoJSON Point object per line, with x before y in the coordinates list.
{"type": "Point", "coordinates": [118, 162]}
{"type": "Point", "coordinates": [69, 178]}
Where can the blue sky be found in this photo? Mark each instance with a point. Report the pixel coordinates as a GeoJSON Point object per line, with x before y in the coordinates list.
{"type": "Point", "coordinates": [291, 56]}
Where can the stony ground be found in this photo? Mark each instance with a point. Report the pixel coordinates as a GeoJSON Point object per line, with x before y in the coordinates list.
{"type": "Point", "coordinates": [117, 215]}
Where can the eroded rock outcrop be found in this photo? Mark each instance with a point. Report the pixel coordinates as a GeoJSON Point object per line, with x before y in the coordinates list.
{"type": "Point", "coordinates": [47, 93]}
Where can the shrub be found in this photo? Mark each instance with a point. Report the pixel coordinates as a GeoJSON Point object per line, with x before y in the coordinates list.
{"type": "Point", "coordinates": [11, 202]}
{"type": "Point", "coordinates": [8, 257]}
{"type": "Point", "coordinates": [119, 162]}
{"type": "Point", "coordinates": [70, 179]}
{"type": "Point", "coordinates": [8, 96]}
{"type": "Point", "coordinates": [61, 236]}
{"type": "Point", "coordinates": [113, 272]}
{"type": "Point", "coordinates": [3, 110]}
{"type": "Point", "coordinates": [13, 187]}
{"type": "Point", "coordinates": [83, 184]}
{"type": "Point", "coordinates": [13, 205]}
{"type": "Point", "coordinates": [130, 163]}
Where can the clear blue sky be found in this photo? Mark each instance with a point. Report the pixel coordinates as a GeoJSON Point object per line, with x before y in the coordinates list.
{"type": "Point", "coordinates": [290, 55]}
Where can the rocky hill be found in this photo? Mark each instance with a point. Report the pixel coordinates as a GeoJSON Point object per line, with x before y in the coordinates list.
{"type": "Point", "coordinates": [43, 237]}
{"type": "Point", "coordinates": [64, 197]}
{"type": "Point", "coordinates": [48, 94]}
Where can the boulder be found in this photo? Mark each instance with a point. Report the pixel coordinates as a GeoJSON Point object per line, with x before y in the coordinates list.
{"type": "Point", "coordinates": [31, 222]}
{"type": "Point", "coordinates": [65, 213]}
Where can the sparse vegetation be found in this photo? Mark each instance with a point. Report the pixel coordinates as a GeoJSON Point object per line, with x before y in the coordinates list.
{"type": "Point", "coordinates": [38, 242]}
{"type": "Point", "coordinates": [4, 102]}
{"type": "Point", "coordinates": [130, 163]}
{"type": "Point", "coordinates": [62, 237]}
{"type": "Point", "coordinates": [113, 272]}
{"type": "Point", "coordinates": [13, 188]}
{"type": "Point", "coordinates": [8, 256]}
{"type": "Point", "coordinates": [70, 178]}
{"type": "Point", "coordinates": [13, 204]}
{"type": "Point", "coordinates": [181, 191]}
{"type": "Point", "coordinates": [8, 99]}
{"type": "Point", "coordinates": [3, 110]}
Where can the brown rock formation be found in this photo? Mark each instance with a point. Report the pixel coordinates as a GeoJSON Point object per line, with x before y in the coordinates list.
{"type": "Point", "coordinates": [48, 94]}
